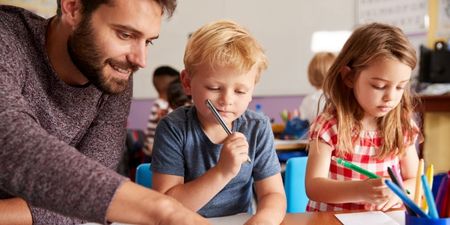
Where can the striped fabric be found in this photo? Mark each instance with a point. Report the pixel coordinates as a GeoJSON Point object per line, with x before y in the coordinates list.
{"type": "Point", "coordinates": [363, 156]}
{"type": "Point", "coordinates": [159, 109]}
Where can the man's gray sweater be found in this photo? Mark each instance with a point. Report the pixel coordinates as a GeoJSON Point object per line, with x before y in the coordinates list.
{"type": "Point", "coordinates": [59, 144]}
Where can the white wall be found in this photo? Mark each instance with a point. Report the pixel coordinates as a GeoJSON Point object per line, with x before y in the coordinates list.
{"type": "Point", "coordinates": [283, 27]}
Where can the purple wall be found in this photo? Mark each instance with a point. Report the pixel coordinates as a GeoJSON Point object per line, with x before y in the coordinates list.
{"type": "Point", "coordinates": [271, 106]}
{"type": "Point", "coordinates": [140, 109]}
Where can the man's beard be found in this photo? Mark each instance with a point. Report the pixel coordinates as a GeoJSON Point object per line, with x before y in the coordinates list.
{"type": "Point", "coordinates": [88, 59]}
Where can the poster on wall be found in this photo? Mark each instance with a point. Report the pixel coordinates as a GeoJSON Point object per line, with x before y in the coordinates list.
{"type": "Point", "coordinates": [409, 15]}
{"type": "Point", "coordinates": [44, 8]}
{"type": "Point", "coordinates": [443, 23]}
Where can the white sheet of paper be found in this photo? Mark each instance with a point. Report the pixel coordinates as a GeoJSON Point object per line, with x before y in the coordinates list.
{"type": "Point", "coordinates": [227, 220]}
{"type": "Point", "coordinates": [366, 218]}
{"type": "Point", "coordinates": [397, 215]}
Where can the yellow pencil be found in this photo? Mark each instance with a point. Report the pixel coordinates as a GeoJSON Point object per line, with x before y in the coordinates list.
{"type": "Point", "coordinates": [418, 191]}
{"type": "Point", "coordinates": [429, 175]}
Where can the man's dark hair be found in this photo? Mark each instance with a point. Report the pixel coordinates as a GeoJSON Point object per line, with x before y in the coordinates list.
{"type": "Point", "coordinates": [168, 6]}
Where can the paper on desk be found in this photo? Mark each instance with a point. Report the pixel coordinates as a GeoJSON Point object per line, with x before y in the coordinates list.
{"type": "Point", "coordinates": [227, 220]}
{"type": "Point", "coordinates": [397, 215]}
{"type": "Point", "coordinates": [366, 218]}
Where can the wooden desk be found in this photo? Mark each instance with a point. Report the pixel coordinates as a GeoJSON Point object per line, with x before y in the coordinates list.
{"type": "Point", "coordinates": [327, 218]}
{"type": "Point", "coordinates": [289, 145]}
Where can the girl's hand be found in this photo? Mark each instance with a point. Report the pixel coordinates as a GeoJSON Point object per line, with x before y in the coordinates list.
{"type": "Point", "coordinates": [374, 192]}
{"type": "Point", "coordinates": [234, 152]}
{"type": "Point", "coordinates": [392, 202]}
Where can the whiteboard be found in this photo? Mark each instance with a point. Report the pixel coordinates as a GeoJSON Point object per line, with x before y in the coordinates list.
{"type": "Point", "coordinates": [284, 28]}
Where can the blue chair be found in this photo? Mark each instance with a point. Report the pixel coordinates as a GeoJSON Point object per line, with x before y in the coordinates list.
{"type": "Point", "coordinates": [294, 184]}
{"type": "Point", "coordinates": [144, 175]}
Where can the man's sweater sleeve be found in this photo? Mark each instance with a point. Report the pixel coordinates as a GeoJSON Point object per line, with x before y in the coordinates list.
{"type": "Point", "coordinates": [46, 217]}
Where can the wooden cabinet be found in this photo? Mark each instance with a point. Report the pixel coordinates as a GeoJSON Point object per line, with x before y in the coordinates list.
{"type": "Point", "coordinates": [434, 103]}
{"type": "Point", "coordinates": [434, 112]}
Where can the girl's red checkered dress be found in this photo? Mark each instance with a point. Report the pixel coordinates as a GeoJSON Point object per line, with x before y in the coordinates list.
{"type": "Point", "coordinates": [363, 156]}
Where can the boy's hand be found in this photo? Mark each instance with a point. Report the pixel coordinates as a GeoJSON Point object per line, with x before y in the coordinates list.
{"type": "Point", "coordinates": [234, 152]}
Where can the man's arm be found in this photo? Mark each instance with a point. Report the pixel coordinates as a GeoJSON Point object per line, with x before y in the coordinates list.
{"type": "Point", "coordinates": [135, 204]}
{"type": "Point", "coordinates": [131, 204]}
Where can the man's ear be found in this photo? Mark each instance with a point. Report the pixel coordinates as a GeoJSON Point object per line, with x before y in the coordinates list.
{"type": "Point", "coordinates": [185, 78]}
{"type": "Point", "coordinates": [346, 73]}
{"type": "Point", "coordinates": [71, 12]}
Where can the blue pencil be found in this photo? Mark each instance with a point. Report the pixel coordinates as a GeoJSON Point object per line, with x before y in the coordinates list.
{"type": "Point", "coordinates": [406, 200]}
{"type": "Point", "coordinates": [429, 197]}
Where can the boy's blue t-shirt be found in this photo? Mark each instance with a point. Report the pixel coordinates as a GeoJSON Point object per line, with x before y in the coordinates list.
{"type": "Point", "coordinates": [181, 148]}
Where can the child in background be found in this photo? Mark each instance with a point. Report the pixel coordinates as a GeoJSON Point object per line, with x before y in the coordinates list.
{"type": "Point", "coordinates": [313, 103]}
{"type": "Point", "coordinates": [194, 160]}
{"type": "Point", "coordinates": [367, 120]}
{"type": "Point", "coordinates": [162, 77]}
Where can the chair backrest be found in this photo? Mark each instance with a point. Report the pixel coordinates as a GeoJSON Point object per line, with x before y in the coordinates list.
{"type": "Point", "coordinates": [144, 175]}
{"type": "Point", "coordinates": [294, 184]}
{"type": "Point", "coordinates": [135, 140]}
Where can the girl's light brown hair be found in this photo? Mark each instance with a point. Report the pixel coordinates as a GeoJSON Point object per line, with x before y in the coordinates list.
{"type": "Point", "coordinates": [318, 68]}
{"type": "Point", "coordinates": [366, 44]}
{"type": "Point", "coordinates": [224, 43]}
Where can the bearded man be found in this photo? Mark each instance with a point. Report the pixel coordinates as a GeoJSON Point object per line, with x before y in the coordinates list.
{"type": "Point", "coordinates": [65, 93]}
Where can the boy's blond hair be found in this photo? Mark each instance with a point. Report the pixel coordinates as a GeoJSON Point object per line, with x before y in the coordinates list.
{"type": "Point", "coordinates": [368, 43]}
{"type": "Point", "coordinates": [224, 43]}
{"type": "Point", "coordinates": [318, 68]}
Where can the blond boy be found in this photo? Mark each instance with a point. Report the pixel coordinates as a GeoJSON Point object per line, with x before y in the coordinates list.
{"type": "Point", "coordinates": [194, 159]}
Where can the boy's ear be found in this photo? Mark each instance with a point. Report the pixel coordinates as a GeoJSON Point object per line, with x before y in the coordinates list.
{"type": "Point", "coordinates": [185, 78]}
{"type": "Point", "coordinates": [71, 12]}
{"type": "Point", "coordinates": [346, 73]}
